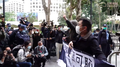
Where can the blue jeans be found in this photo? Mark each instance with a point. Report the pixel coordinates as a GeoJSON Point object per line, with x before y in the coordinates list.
{"type": "Point", "coordinates": [24, 64]}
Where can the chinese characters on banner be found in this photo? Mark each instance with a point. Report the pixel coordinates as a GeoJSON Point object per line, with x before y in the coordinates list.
{"type": "Point", "coordinates": [77, 59]}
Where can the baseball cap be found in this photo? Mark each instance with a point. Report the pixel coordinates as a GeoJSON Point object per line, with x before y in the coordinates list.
{"type": "Point", "coordinates": [8, 24]}
{"type": "Point", "coordinates": [23, 27]}
{"type": "Point", "coordinates": [104, 25]}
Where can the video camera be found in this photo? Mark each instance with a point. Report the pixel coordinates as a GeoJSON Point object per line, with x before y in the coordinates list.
{"type": "Point", "coordinates": [9, 52]}
{"type": "Point", "coordinates": [117, 33]}
{"type": "Point", "coordinates": [21, 20]}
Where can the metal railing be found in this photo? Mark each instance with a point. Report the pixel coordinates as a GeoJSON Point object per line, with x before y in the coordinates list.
{"type": "Point", "coordinates": [110, 57]}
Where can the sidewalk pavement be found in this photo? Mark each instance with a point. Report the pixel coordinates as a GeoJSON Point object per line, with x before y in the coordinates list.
{"type": "Point", "coordinates": [52, 62]}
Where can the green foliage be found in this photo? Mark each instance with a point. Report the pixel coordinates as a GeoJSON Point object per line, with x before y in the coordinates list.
{"type": "Point", "coordinates": [31, 17]}
{"type": "Point", "coordinates": [110, 10]}
{"type": "Point", "coordinates": [9, 16]}
{"type": "Point", "coordinates": [0, 7]}
{"type": "Point", "coordinates": [61, 20]}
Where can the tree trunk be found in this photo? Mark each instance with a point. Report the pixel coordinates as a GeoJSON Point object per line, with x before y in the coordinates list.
{"type": "Point", "coordinates": [78, 10]}
{"type": "Point", "coordinates": [99, 21]}
{"type": "Point", "coordinates": [47, 10]}
{"type": "Point", "coordinates": [71, 10]}
{"type": "Point", "coordinates": [70, 14]}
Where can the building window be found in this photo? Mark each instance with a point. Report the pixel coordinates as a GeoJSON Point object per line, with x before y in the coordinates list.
{"type": "Point", "coordinates": [36, 6]}
{"type": "Point", "coordinates": [33, 9]}
{"type": "Point", "coordinates": [30, 0]}
{"type": "Point", "coordinates": [39, 9]}
{"type": "Point", "coordinates": [33, 2]}
{"type": "Point", "coordinates": [33, 6]}
{"type": "Point", "coordinates": [39, 6]}
{"type": "Point", "coordinates": [36, 3]}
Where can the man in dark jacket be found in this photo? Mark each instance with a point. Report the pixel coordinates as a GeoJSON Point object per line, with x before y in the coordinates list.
{"type": "Point", "coordinates": [105, 41]}
{"type": "Point", "coordinates": [8, 28]}
{"type": "Point", "coordinates": [96, 33]}
{"type": "Point", "coordinates": [58, 37]}
{"type": "Point", "coordinates": [11, 41]}
{"type": "Point", "coordinates": [71, 24]}
{"type": "Point", "coordinates": [22, 35]}
{"type": "Point", "coordinates": [86, 42]}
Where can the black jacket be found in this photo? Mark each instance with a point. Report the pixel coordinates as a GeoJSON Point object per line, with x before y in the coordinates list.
{"type": "Point", "coordinates": [58, 36]}
{"type": "Point", "coordinates": [36, 39]}
{"type": "Point", "coordinates": [72, 32]}
{"type": "Point", "coordinates": [89, 46]}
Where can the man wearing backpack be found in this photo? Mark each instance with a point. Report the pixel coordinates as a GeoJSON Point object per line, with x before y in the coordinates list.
{"type": "Point", "coordinates": [40, 54]}
{"type": "Point", "coordinates": [86, 42]}
{"type": "Point", "coordinates": [105, 41]}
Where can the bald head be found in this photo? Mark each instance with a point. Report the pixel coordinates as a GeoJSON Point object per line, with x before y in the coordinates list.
{"type": "Point", "coordinates": [8, 49]}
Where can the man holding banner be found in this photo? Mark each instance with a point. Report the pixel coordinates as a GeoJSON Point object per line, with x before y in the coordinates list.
{"type": "Point", "coordinates": [83, 49]}
{"type": "Point", "coordinates": [86, 42]}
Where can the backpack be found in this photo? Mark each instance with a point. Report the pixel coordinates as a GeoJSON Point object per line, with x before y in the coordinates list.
{"type": "Point", "coordinates": [16, 49]}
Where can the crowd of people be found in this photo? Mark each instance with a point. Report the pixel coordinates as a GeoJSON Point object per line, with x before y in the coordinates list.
{"type": "Point", "coordinates": [27, 46]}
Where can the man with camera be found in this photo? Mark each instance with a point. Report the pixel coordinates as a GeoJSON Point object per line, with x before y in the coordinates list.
{"type": "Point", "coordinates": [40, 54]}
{"type": "Point", "coordinates": [2, 21]}
{"type": "Point", "coordinates": [7, 59]}
{"type": "Point", "coordinates": [2, 36]}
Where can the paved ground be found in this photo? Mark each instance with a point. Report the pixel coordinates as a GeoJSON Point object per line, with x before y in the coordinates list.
{"type": "Point", "coordinates": [52, 62]}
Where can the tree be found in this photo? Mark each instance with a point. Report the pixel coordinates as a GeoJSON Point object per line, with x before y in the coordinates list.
{"type": "Point", "coordinates": [47, 10]}
{"type": "Point", "coordinates": [61, 20]}
{"type": "Point", "coordinates": [78, 10]}
{"type": "Point", "coordinates": [9, 16]}
{"type": "Point", "coordinates": [31, 17]}
{"type": "Point", "coordinates": [0, 7]}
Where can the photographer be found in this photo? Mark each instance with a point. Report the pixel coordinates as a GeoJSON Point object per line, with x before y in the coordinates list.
{"type": "Point", "coordinates": [2, 36]}
{"type": "Point", "coordinates": [40, 54]}
{"type": "Point", "coordinates": [8, 60]}
{"type": "Point", "coordinates": [2, 21]}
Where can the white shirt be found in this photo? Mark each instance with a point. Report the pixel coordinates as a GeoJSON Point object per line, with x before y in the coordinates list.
{"type": "Point", "coordinates": [21, 56]}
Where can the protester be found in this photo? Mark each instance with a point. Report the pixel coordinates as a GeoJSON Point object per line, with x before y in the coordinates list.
{"type": "Point", "coordinates": [58, 37]}
{"type": "Point", "coordinates": [30, 33]}
{"type": "Point", "coordinates": [71, 24]}
{"type": "Point", "coordinates": [24, 54]}
{"type": "Point", "coordinates": [8, 60]}
{"type": "Point", "coordinates": [105, 41]}
{"type": "Point", "coordinates": [36, 38]}
{"type": "Point", "coordinates": [40, 52]}
{"type": "Point", "coordinates": [86, 41]}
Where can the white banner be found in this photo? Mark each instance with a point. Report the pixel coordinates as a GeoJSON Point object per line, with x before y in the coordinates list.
{"type": "Point", "coordinates": [77, 59]}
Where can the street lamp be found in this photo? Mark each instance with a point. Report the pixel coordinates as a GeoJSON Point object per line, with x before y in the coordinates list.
{"type": "Point", "coordinates": [4, 8]}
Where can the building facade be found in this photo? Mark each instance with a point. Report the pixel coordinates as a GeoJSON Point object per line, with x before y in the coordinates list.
{"type": "Point", "coordinates": [35, 6]}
